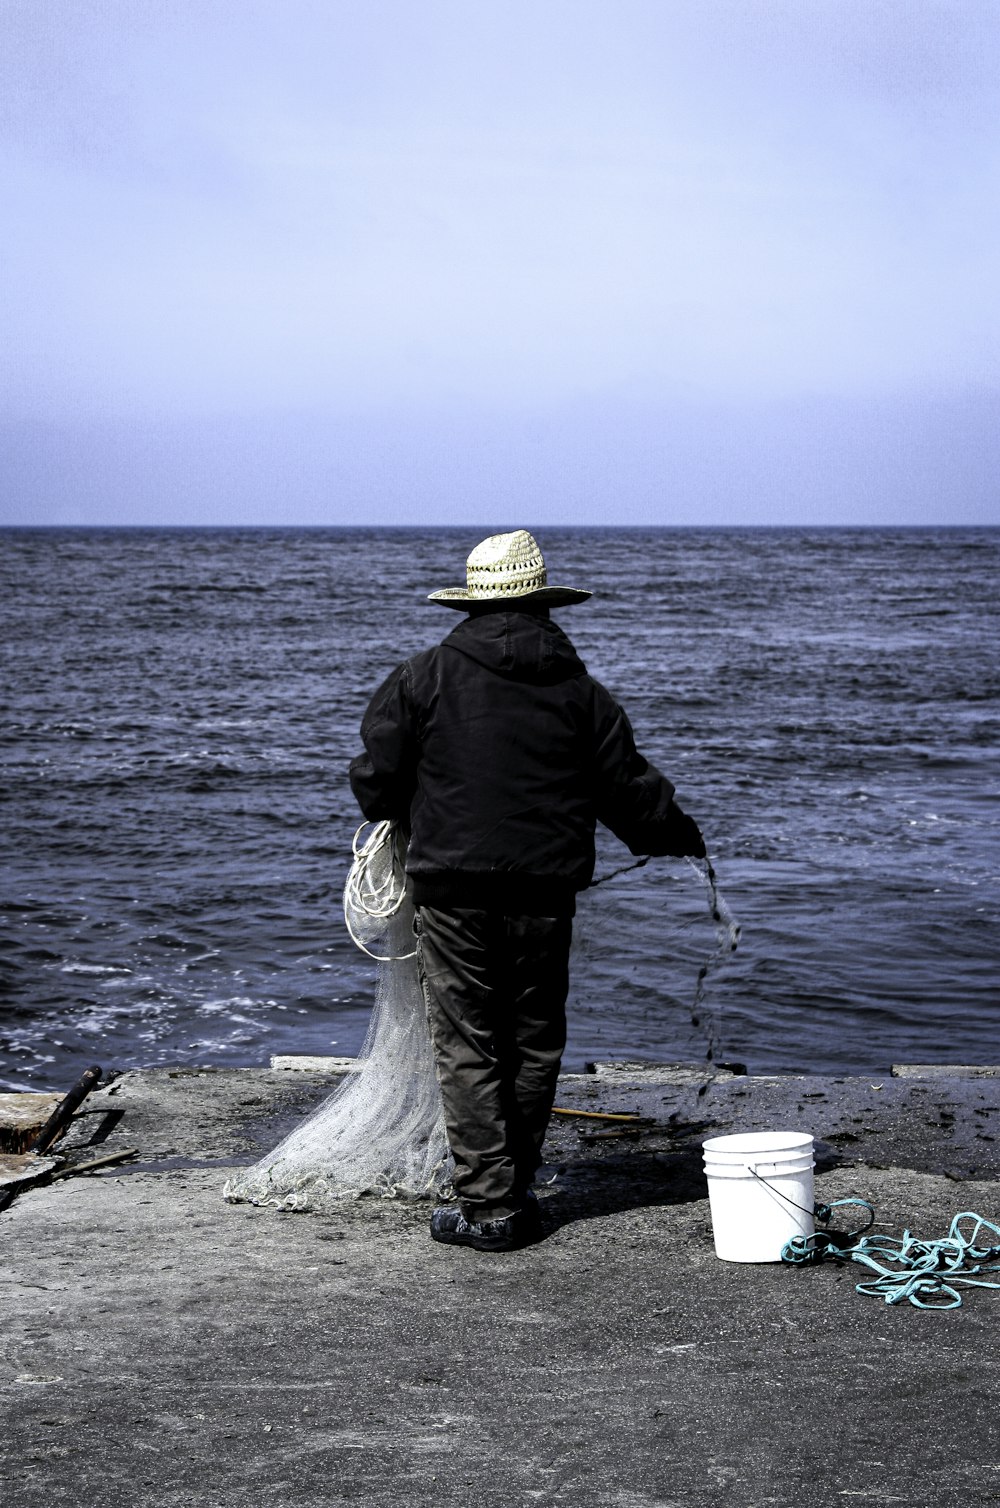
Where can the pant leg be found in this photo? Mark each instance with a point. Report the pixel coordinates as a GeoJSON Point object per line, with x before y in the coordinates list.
{"type": "Point", "coordinates": [457, 958]}
{"type": "Point", "coordinates": [495, 988]}
{"type": "Point", "coordinates": [538, 981]}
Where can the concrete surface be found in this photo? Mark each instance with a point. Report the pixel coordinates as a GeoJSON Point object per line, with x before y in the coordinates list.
{"type": "Point", "coordinates": [163, 1348]}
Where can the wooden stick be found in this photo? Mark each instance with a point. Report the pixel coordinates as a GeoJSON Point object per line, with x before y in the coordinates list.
{"type": "Point", "coordinates": [599, 1115]}
{"type": "Point", "coordinates": [63, 1113]}
{"type": "Point", "coordinates": [98, 1162]}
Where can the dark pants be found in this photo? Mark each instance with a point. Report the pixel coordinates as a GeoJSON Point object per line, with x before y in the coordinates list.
{"type": "Point", "coordinates": [495, 986]}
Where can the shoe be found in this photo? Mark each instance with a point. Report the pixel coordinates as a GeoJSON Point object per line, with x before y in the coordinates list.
{"type": "Point", "coordinates": [450, 1226]}
{"type": "Point", "coordinates": [531, 1214]}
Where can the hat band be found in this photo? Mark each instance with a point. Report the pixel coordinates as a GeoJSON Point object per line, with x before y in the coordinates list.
{"type": "Point", "coordinates": [501, 581]}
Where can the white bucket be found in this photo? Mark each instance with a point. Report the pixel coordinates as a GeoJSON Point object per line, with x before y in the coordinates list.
{"type": "Point", "coordinates": [760, 1190]}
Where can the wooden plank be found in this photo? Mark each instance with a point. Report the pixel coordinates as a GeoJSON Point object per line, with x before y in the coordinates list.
{"type": "Point", "coordinates": [945, 1071]}
{"type": "Point", "coordinates": [303, 1063]}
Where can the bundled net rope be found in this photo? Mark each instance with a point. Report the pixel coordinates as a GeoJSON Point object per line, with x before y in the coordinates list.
{"type": "Point", "coordinates": [382, 1129]}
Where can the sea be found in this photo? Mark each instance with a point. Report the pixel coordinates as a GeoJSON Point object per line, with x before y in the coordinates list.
{"type": "Point", "coordinates": [179, 708]}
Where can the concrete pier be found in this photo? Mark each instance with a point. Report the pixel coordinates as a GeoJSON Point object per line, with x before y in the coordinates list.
{"type": "Point", "coordinates": [161, 1347]}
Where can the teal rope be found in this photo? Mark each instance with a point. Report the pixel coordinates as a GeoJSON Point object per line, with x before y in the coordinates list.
{"type": "Point", "coordinates": [929, 1274]}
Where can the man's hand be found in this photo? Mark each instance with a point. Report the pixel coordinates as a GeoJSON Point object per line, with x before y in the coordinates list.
{"type": "Point", "coordinates": [681, 835]}
{"type": "Point", "coordinates": [690, 835]}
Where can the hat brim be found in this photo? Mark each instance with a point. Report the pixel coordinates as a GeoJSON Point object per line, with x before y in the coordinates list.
{"type": "Point", "coordinates": [547, 596]}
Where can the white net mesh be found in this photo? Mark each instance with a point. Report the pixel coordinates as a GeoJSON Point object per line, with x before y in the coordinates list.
{"type": "Point", "coordinates": [382, 1129]}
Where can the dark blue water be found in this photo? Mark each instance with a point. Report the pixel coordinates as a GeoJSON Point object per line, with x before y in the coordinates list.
{"type": "Point", "coordinates": [179, 708]}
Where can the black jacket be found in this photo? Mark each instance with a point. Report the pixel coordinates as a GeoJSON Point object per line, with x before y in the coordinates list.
{"type": "Point", "coordinates": [499, 753]}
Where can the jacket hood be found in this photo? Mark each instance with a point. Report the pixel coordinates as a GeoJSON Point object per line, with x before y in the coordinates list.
{"type": "Point", "coordinates": [518, 646]}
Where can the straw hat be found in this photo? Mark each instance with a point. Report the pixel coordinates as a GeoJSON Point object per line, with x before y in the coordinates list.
{"type": "Point", "coordinates": [507, 567]}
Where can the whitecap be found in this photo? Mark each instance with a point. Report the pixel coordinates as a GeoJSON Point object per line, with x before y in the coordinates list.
{"type": "Point", "coordinates": [94, 968]}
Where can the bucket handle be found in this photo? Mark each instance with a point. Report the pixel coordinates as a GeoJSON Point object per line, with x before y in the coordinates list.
{"type": "Point", "coordinates": [820, 1212]}
{"type": "Point", "coordinates": [772, 1190]}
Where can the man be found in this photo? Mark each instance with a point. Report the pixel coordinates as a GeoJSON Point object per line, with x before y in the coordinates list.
{"type": "Point", "coordinates": [498, 754]}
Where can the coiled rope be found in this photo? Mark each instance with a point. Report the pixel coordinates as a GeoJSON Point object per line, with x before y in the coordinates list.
{"type": "Point", "coordinates": [376, 884]}
{"type": "Point", "coordinates": [928, 1274]}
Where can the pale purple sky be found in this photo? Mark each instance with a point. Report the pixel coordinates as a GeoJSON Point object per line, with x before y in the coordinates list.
{"type": "Point", "coordinates": [648, 261]}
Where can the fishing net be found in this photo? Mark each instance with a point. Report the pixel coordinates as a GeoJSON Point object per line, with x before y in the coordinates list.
{"type": "Point", "coordinates": [382, 1129]}
{"type": "Point", "coordinates": [727, 940]}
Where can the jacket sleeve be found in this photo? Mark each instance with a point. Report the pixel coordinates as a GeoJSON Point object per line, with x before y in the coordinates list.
{"type": "Point", "coordinates": [634, 799]}
{"type": "Point", "coordinates": [383, 778]}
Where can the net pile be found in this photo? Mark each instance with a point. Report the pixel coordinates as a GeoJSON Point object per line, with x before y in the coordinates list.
{"type": "Point", "coordinates": [382, 1129]}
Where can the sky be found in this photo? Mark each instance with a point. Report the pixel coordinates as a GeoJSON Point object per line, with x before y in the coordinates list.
{"type": "Point", "coordinates": [455, 261]}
